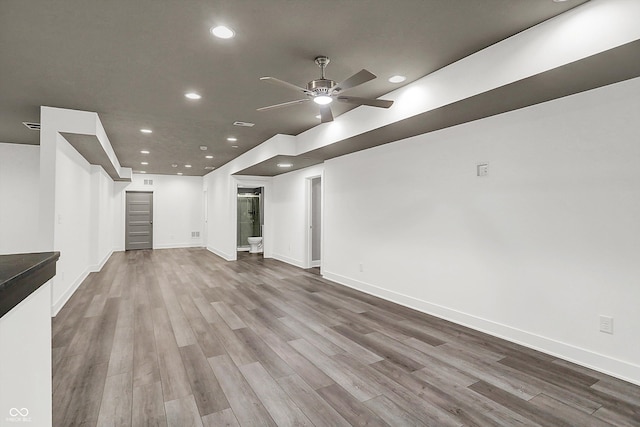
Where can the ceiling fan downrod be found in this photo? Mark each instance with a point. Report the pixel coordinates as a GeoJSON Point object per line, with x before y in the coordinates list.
{"type": "Point", "coordinates": [322, 62]}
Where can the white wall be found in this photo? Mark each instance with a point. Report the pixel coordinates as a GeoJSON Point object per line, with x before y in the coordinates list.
{"type": "Point", "coordinates": [290, 215]}
{"type": "Point", "coordinates": [85, 205]}
{"type": "Point", "coordinates": [220, 231]}
{"type": "Point", "coordinates": [25, 361]}
{"type": "Point", "coordinates": [19, 197]}
{"type": "Point", "coordinates": [178, 209]}
{"type": "Point", "coordinates": [533, 252]}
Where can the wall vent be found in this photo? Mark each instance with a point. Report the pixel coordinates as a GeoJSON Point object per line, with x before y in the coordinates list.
{"type": "Point", "coordinates": [148, 182]}
{"type": "Point", "coordinates": [195, 234]}
{"type": "Point", "coordinates": [243, 124]}
{"type": "Point", "coordinates": [31, 125]}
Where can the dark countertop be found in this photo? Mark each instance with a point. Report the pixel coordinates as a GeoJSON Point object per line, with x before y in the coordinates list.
{"type": "Point", "coordinates": [22, 274]}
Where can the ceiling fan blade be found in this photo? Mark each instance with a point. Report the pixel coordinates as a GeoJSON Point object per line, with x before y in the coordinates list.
{"type": "Point", "coordinates": [282, 83]}
{"type": "Point", "coordinates": [381, 103]}
{"type": "Point", "coordinates": [325, 114]}
{"type": "Point", "coordinates": [284, 104]}
{"type": "Point", "coordinates": [358, 78]}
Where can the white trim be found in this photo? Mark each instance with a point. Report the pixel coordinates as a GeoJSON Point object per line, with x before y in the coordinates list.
{"type": "Point", "coordinates": [292, 261]}
{"type": "Point", "coordinates": [253, 181]}
{"type": "Point", "coordinates": [222, 255]}
{"type": "Point", "coordinates": [97, 267]}
{"type": "Point", "coordinates": [309, 262]}
{"type": "Point", "coordinates": [57, 306]}
{"type": "Point", "coordinates": [621, 369]}
{"type": "Point", "coordinates": [197, 244]}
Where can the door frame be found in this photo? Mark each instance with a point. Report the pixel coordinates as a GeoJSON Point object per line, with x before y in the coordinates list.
{"type": "Point", "coordinates": [309, 234]}
{"type": "Point", "coordinates": [240, 181]}
{"type": "Point", "coordinates": [153, 223]}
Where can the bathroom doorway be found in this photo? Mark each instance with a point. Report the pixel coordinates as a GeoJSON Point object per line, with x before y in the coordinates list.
{"type": "Point", "coordinates": [250, 216]}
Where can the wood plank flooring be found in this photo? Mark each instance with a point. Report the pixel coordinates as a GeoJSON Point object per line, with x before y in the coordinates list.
{"type": "Point", "coordinates": [183, 338]}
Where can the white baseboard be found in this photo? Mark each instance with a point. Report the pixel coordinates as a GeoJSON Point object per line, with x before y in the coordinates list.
{"type": "Point", "coordinates": [223, 255]}
{"type": "Point", "coordinates": [98, 267]}
{"type": "Point", "coordinates": [57, 305]}
{"type": "Point", "coordinates": [292, 261]}
{"type": "Point", "coordinates": [616, 368]}
{"type": "Point", "coordinates": [197, 244]}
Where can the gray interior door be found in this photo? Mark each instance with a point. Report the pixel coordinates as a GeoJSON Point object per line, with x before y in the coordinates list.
{"type": "Point", "coordinates": [316, 220]}
{"type": "Point", "coordinates": [139, 220]}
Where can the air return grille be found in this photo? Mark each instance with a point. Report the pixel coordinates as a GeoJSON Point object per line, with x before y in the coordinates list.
{"type": "Point", "coordinates": [243, 124]}
{"type": "Point", "coordinates": [31, 125]}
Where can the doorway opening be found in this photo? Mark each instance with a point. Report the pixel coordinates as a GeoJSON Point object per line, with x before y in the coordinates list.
{"type": "Point", "coordinates": [315, 222]}
{"type": "Point", "coordinates": [138, 220]}
{"type": "Point", "coordinates": [250, 219]}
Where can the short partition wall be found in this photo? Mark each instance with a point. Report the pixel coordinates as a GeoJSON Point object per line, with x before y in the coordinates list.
{"type": "Point", "coordinates": [25, 337]}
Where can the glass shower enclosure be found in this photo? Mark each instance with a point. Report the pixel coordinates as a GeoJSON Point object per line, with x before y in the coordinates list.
{"type": "Point", "coordinates": [250, 215]}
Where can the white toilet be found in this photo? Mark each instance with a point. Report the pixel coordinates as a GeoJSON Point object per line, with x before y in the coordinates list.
{"type": "Point", "coordinates": [256, 244]}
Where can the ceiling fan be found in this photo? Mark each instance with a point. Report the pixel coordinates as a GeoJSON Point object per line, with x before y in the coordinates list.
{"type": "Point", "coordinates": [324, 91]}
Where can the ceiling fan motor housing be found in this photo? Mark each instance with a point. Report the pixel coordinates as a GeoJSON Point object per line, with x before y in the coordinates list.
{"type": "Point", "coordinates": [320, 86]}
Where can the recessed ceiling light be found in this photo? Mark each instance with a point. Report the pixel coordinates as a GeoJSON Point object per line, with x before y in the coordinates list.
{"type": "Point", "coordinates": [234, 146]}
{"type": "Point", "coordinates": [187, 166]}
{"type": "Point", "coordinates": [210, 168]}
{"type": "Point", "coordinates": [146, 130]}
{"type": "Point", "coordinates": [174, 165]}
{"type": "Point", "coordinates": [318, 116]}
{"type": "Point", "coordinates": [144, 163]}
{"type": "Point", "coordinates": [232, 139]}
{"type": "Point", "coordinates": [179, 173]}
{"type": "Point", "coordinates": [222, 32]}
{"type": "Point", "coordinates": [322, 99]}
{"type": "Point", "coordinates": [397, 79]}
{"type": "Point", "coordinates": [559, 1]}
{"type": "Point", "coordinates": [209, 157]}
{"type": "Point", "coordinates": [144, 152]}
{"type": "Point", "coordinates": [284, 165]}
{"type": "Point", "coordinates": [192, 95]}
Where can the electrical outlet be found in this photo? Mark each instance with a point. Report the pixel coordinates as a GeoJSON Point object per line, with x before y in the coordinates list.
{"type": "Point", "coordinates": [482, 169]}
{"type": "Point", "coordinates": [606, 324]}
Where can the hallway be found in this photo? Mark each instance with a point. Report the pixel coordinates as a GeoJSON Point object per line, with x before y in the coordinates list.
{"type": "Point", "coordinates": [180, 337]}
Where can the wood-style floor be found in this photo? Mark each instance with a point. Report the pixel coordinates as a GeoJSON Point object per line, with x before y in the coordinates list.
{"type": "Point", "coordinates": [183, 338]}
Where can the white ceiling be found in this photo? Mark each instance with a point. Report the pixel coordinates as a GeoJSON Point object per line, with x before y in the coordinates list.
{"type": "Point", "coordinates": [131, 61]}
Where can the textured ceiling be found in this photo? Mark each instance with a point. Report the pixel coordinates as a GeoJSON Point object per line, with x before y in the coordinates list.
{"type": "Point", "coordinates": [132, 62]}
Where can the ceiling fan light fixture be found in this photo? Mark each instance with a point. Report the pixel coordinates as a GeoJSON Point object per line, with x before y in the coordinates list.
{"type": "Point", "coordinates": [222, 32]}
{"type": "Point", "coordinates": [322, 99]}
